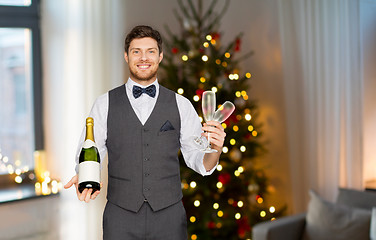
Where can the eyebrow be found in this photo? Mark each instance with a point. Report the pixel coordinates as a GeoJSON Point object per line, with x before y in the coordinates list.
{"type": "Point", "coordinates": [146, 49]}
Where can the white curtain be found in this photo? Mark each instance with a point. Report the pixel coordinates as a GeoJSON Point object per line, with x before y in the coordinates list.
{"type": "Point", "coordinates": [320, 42]}
{"type": "Point", "coordinates": [82, 59]}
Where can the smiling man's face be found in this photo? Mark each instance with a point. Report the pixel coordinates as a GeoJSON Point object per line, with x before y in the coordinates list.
{"type": "Point", "coordinates": [143, 59]}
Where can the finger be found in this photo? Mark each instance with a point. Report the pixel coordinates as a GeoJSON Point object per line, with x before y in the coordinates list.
{"type": "Point", "coordinates": [217, 142]}
{"type": "Point", "coordinates": [215, 123]}
{"type": "Point", "coordinates": [88, 195]}
{"type": "Point", "coordinates": [215, 130]}
{"type": "Point", "coordinates": [68, 185]}
{"type": "Point", "coordinates": [218, 136]}
{"type": "Point", "coordinates": [71, 182]}
{"type": "Point", "coordinates": [83, 194]}
{"type": "Point", "coordinates": [94, 195]}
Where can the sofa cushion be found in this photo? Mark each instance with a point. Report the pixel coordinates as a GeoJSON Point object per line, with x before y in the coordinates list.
{"type": "Point", "coordinates": [329, 221]}
{"type": "Point", "coordinates": [355, 198]}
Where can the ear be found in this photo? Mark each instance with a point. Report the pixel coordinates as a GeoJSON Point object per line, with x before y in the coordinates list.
{"type": "Point", "coordinates": [126, 56]}
{"type": "Point", "coordinates": [160, 57]}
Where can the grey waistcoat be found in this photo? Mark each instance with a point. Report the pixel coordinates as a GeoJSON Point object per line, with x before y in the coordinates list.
{"type": "Point", "coordinates": [143, 161]}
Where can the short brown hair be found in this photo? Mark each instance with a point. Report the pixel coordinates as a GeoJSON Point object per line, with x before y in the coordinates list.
{"type": "Point", "coordinates": [143, 31]}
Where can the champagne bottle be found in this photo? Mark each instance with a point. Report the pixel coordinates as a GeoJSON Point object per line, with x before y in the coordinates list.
{"type": "Point", "coordinates": [89, 161]}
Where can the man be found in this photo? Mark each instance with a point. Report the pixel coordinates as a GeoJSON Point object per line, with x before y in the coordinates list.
{"type": "Point", "coordinates": [142, 126]}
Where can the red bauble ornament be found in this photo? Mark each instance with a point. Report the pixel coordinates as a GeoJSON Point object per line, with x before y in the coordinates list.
{"type": "Point", "coordinates": [215, 35]}
{"type": "Point", "coordinates": [248, 136]}
{"type": "Point", "coordinates": [230, 119]}
{"type": "Point", "coordinates": [199, 92]}
{"type": "Point", "coordinates": [174, 50]}
{"type": "Point", "coordinates": [211, 225]}
{"type": "Point", "coordinates": [243, 226]}
{"type": "Point", "coordinates": [237, 45]}
{"type": "Point", "coordinates": [224, 178]}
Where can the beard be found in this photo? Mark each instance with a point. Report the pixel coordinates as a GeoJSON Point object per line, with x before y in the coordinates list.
{"type": "Point", "coordinates": [142, 76]}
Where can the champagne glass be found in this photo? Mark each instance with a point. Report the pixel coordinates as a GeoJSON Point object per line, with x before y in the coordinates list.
{"type": "Point", "coordinates": [208, 105]}
{"type": "Point", "coordinates": [224, 112]}
{"type": "Point", "coordinates": [208, 108]}
{"type": "Point", "coordinates": [220, 116]}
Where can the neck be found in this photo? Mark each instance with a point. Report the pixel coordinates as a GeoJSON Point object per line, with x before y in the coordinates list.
{"type": "Point", "coordinates": [143, 82]}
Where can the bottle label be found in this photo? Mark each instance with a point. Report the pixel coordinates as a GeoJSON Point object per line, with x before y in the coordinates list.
{"type": "Point", "coordinates": [88, 144]}
{"type": "Point", "coordinates": [89, 171]}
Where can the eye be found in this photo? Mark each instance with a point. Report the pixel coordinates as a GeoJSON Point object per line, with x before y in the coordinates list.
{"type": "Point", "coordinates": [136, 52]}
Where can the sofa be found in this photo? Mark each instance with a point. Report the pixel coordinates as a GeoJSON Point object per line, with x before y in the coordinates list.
{"type": "Point", "coordinates": [348, 218]}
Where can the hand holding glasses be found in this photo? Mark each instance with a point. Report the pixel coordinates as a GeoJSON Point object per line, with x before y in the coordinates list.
{"type": "Point", "coordinates": [208, 110]}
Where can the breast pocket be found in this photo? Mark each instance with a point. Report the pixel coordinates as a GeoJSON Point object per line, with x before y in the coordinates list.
{"type": "Point", "coordinates": [168, 141]}
{"type": "Point", "coordinates": [169, 132]}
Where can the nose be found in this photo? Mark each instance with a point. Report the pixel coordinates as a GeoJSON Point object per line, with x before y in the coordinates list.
{"type": "Point", "coordinates": [143, 56]}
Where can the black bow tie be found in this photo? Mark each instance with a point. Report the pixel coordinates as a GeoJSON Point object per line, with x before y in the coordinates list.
{"type": "Point", "coordinates": [137, 91]}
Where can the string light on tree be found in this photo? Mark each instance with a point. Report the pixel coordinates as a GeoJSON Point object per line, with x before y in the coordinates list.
{"type": "Point", "coordinates": [225, 149]}
{"type": "Point", "coordinates": [272, 209]}
{"type": "Point", "coordinates": [220, 213]}
{"type": "Point", "coordinates": [184, 58]}
{"type": "Point", "coordinates": [180, 91]}
{"type": "Point", "coordinates": [219, 167]}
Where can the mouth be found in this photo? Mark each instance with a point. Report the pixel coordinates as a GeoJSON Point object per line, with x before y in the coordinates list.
{"type": "Point", "coordinates": [143, 66]}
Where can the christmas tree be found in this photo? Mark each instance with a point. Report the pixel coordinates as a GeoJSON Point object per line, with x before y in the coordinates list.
{"type": "Point", "coordinates": [228, 203]}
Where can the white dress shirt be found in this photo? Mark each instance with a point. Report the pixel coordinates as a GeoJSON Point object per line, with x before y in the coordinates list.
{"type": "Point", "coordinates": [143, 106]}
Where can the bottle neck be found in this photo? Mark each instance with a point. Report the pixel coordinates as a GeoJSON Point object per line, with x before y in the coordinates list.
{"type": "Point", "coordinates": [89, 132]}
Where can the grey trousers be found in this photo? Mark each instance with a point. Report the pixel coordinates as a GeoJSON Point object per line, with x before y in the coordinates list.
{"type": "Point", "coordinates": [166, 224]}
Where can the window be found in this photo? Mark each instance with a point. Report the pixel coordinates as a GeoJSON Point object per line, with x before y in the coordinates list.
{"type": "Point", "coordinates": [20, 86]}
{"type": "Point", "coordinates": [15, 2]}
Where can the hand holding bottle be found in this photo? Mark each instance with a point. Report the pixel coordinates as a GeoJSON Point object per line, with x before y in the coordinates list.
{"type": "Point", "coordinates": [87, 182]}
{"type": "Point", "coordinates": [86, 194]}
